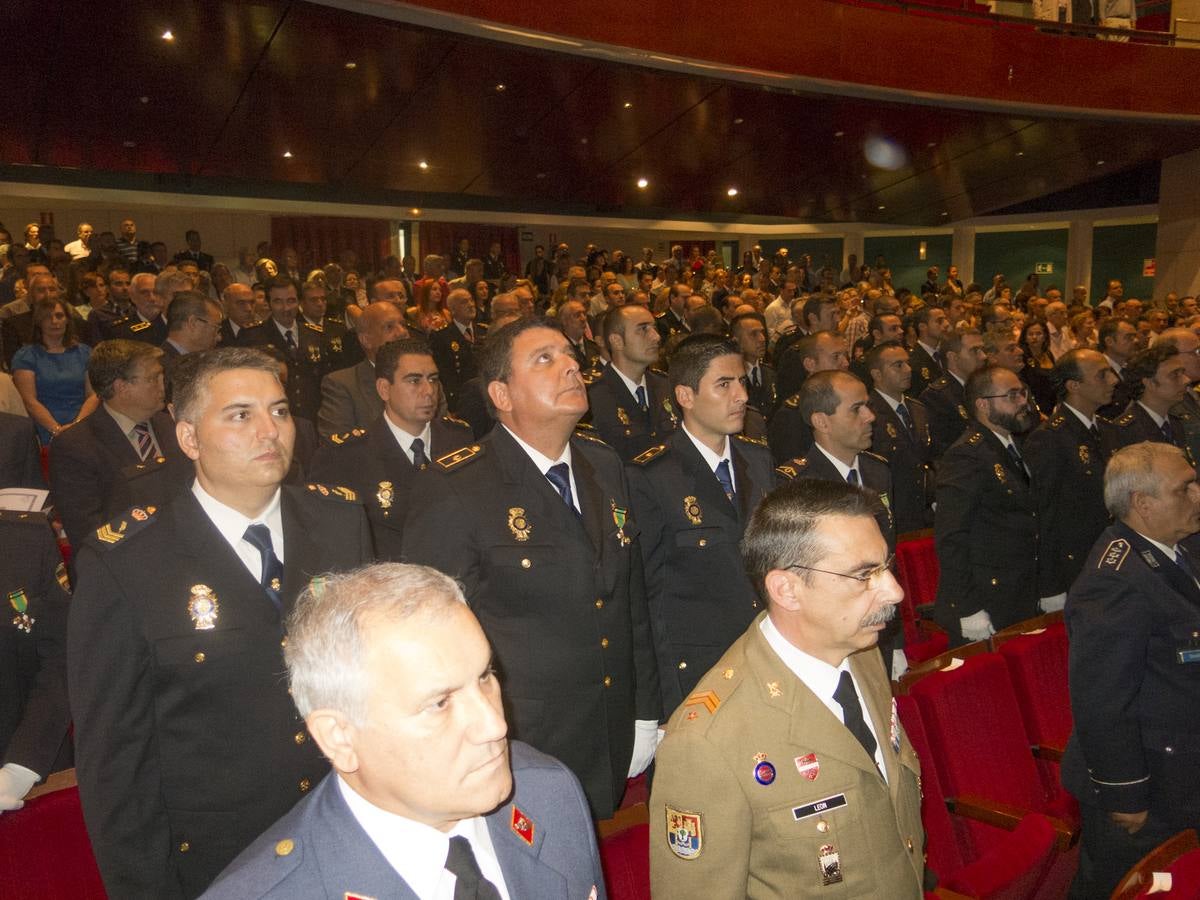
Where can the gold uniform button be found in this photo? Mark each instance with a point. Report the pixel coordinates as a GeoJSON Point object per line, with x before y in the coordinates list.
{"type": "Point", "coordinates": [604, 642]}
{"type": "Point", "coordinates": [184, 847]}
{"type": "Point", "coordinates": [200, 657]}
{"type": "Point", "coordinates": [703, 542]}
{"type": "Point", "coordinates": [822, 826]}
{"type": "Point", "coordinates": [305, 784]}
{"type": "Point", "coordinates": [910, 845]}
{"type": "Point", "coordinates": [525, 563]}
{"type": "Point", "coordinates": [599, 604]}
{"type": "Point", "coordinates": [683, 664]}
{"type": "Point", "coordinates": [283, 641]}
{"type": "Point", "coordinates": [300, 737]}
{"type": "Point", "coordinates": [608, 681]}
{"type": "Point", "coordinates": [995, 582]}
{"type": "Point", "coordinates": [285, 847]}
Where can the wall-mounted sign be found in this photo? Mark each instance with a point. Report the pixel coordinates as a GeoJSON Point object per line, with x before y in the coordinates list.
{"type": "Point", "coordinates": [1044, 268]}
{"type": "Point", "coordinates": [1148, 268]}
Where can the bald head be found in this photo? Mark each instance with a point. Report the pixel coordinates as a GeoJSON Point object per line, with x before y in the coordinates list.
{"type": "Point", "coordinates": [506, 306]}
{"type": "Point", "coordinates": [379, 323]}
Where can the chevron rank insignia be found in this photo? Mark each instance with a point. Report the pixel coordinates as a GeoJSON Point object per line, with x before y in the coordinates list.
{"type": "Point", "coordinates": [707, 699]}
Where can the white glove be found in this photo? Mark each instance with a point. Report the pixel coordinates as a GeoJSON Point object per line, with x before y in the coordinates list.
{"type": "Point", "coordinates": [1053, 604]}
{"type": "Point", "coordinates": [899, 663]}
{"type": "Point", "coordinates": [977, 627]}
{"type": "Point", "coordinates": [15, 782]}
{"type": "Point", "coordinates": [646, 735]}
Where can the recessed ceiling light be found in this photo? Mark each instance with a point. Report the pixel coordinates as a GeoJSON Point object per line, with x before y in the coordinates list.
{"type": "Point", "coordinates": [143, 99]}
{"type": "Point", "coordinates": [167, 35]}
{"type": "Point", "coordinates": [732, 192]}
{"type": "Point", "coordinates": [423, 166]}
{"type": "Point", "coordinates": [1099, 162]}
{"type": "Point", "coordinates": [583, 140]}
{"type": "Point", "coordinates": [931, 145]}
{"type": "Point", "coordinates": [541, 174]}
{"type": "Point", "coordinates": [643, 183]}
{"type": "Point", "coordinates": [628, 105]}
{"type": "Point", "coordinates": [501, 88]}
{"type": "Point", "coordinates": [883, 207]}
{"type": "Point", "coordinates": [838, 133]}
{"type": "Point", "coordinates": [1020, 153]}
{"type": "Point", "coordinates": [351, 65]}
{"type": "Point", "coordinates": [945, 213]}
{"type": "Point", "coordinates": [738, 121]}
{"type": "Point", "coordinates": [287, 154]}
{"type": "Point", "coordinates": [130, 144]}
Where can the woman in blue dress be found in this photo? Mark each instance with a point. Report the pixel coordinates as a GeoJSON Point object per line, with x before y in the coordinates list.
{"type": "Point", "coordinates": [51, 372]}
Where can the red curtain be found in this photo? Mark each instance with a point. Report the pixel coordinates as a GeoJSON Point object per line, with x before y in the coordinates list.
{"type": "Point", "coordinates": [318, 240]}
{"type": "Point", "coordinates": [442, 238]}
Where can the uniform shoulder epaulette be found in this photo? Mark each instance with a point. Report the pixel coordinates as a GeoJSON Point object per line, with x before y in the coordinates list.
{"type": "Point", "coordinates": [585, 426]}
{"type": "Point", "coordinates": [792, 402]}
{"type": "Point", "coordinates": [661, 314]}
{"type": "Point", "coordinates": [975, 438]}
{"type": "Point", "coordinates": [460, 457]}
{"type": "Point", "coordinates": [939, 382]}
{"type": "Point", "coordinates": [1125, 420]}
{"type": "Point", "coordinates": [589, 376]}
{"type": "Point", "coordinates": [746, 439]}
{"type": "Point", "coordinates": [1058, 421]}
{"type": "Point", "coordinates": [1102, 420]}
{"type": "Point", "coordinates": [793, 467]}
{"type": "Point", "coordinates": [1114, 554]}
{"type": "Point", "coordinates": [651, 454]}
{"type": "Point", "coordinates": [874, 456]}
{"type": "Point", "coordinates": [140, 326]}
{"type": "Point", "coordinates": [701, 700]}
{"type": "Point", "coordinates": [348, 437]}
{"type": "Point", "coordinates": [454, 420]}
{"type": "Point", "coordinates": [311, 327]}
{"type": "Point", "coordinates": [126, 525]}
{"type": "Point", "coordinates": [326, 490]}
{"type": "Point", "coordinates": [655, 370]}
{"type": "Point", "coordinates": [590, 435]}
{"type": "Point", "coordinates": [145, 468]}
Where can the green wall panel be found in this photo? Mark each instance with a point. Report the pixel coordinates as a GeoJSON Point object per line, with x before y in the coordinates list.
{"type": "Point", "coordinates": [1016, 253]}
{"type": "Point", "coordinates": [903, 256]}
{"type": "Point", "coordinates": [1118, 252]}
{"type": "Point", "coordinates": [825, 251]}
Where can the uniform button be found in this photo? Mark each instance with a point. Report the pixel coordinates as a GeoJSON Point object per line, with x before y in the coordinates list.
{"type": "Point", "coordinates": [1168, 749]}
{"type": "Point", "coordinates": [909, 843]}
{"type": "Point", "coordinates": [300, 737]}
{"type": "Point", "coordinates": [683, 664]}
{"type": "Point", "coordinates": [604, 642]}
{"type": "Point", "coordinates": [822, 826]}
{"type": "Point", "coordinates": [525, 563]}
{"type": "Point", "coordinates": [305, 784]}
{"type": "Point", "coordinates": [599, 604]}
{"type": "Point", "coordinates": [995, 582]}
{"type": "Point", "coordinates": [184, 847]}
{"type": "Point", "coordinates": [608, 683]}
{"type": "Point", "coordinates": [283, 641]}
{"type": "Point", "coordinates": [200, 657]}
{"type": "Point", "coordinates": [703, 542]}
{"type": "Point", "coordinates": [285, 847]}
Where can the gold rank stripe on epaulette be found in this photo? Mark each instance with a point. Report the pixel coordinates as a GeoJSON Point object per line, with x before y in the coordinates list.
{"type": "Point", "coordinates": [348, 435]}
{"type": "Point", "coordinates": [975, 438]}
{"type": "Point", "coordinates": [140, 326]}
{"type": "Point", "coordinates": [589, 376]}
{"type": "Point", "coordinates": [459, 456]}
{"type": "Point", "coordinates": [1125, 419]}
{"type": "Point", "coordinates": [116, 531]}
{"type": "Point", "coordinates": [652, 453]}
{"type": "Point", "coordinates": [344, 492]}
{"type": "Point", "coordinates": [1114, 554]}
{"type": "Point", "coordinates": [707, 699]}
{"type": "Point", "coordinates": [311, 327]}
{"type": "Point", "coordinates": [657, 371]}
{"type": "Point", "coordinates": [746, 439]}
{"type": "Point", "coordinates": [874, 456]}
{"type": "Point", "coordinates": [792, 402]}
{"type": "Point", "coordinates": [590, 436]}
{"type": "Point", "coordinates": [1058, 421]}
{"type": "Point", "coordinates": [454, 420]}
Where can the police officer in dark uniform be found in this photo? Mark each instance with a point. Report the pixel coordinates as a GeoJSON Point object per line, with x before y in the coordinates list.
{"type": "Point", "coordinates": [341, 349]}
{"type": "Point", "coordinates": [1187, 411]}
{"type": "Point", "coordinates": [932, 325]}
{"type": "Point", "coordinates": [187, 743]}
{"type": "Point", "coordinates": [454, 346]}
{"type": "Point", "coordinates": [749, 331]}
{"type": "Point", "coordinates": [1117, 340]}
{"type": "Point", "coordinates": [34, 715]}
{"type": "Point", "coordinates": [301, 343]}
{"type": "Point", "coordinates": [1133, 617]}
{"type": "Point", "coordinates": [379, 463]}
{"type": "Point", "coordinates": [146, 322]}
{"type": "Point", "coordinates": [945, 398]}
{"type": "Point", "coordinates": [673, 320]}
{"type": "Point", "coordinates": [537, 525]}
{"type": "Point", "coordinates": [986, 525]}
{"type": "Point", "coordinates": [789, 433]}
{"type": "Point", "coordinates": [692, 497]}
{"type": "Point", "coordinates": [900, 434]}
{"type": "Point", "coordinates": [1157, 378]}
{"type": "Point", "coordinates": [631, 405]}
{"type": "Point", "coordinates": [1066, 462]}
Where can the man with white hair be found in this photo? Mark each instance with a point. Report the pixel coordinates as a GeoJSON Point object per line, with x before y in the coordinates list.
{"type": "Point", "coordinates": [394, 678]}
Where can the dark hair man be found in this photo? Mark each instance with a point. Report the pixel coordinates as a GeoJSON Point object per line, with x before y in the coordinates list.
{"type": "Point", "coordinates": [945, 398]}
{"type": "Point", "coordinates": [822, 351]}
{"type": "Point", "coordinates": [900, 434]}
{"type": "Point", "coordinates": [1158, 380]}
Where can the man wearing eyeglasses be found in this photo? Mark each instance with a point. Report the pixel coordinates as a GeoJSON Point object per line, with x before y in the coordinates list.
{"type": "Point", "coordinates": [985, 524]}
{"type": "Point", "coordinates": [786, 773]}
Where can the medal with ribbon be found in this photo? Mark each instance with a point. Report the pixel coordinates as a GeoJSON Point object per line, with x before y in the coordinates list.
{"type": "Point", "coordinates": [619, 515]}
{"type": "Point", "coordinates": [19, 602]}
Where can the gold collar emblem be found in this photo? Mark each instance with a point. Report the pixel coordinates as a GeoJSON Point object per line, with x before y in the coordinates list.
{"type": "Point", "coordinates": [203, 607]}
{"type": "Point", "coordinates": [962, 411]}
{"type": "Point", "coordinates": [670, 410]}
{"type": "Point", "coordinates": [518, 524]}
{"type": "Point", "coordinates": [691, 509]}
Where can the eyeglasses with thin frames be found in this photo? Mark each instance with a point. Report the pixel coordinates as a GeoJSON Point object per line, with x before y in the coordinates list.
{"type": "Point", "coordinates": [1016, 395]}
{"type": "Point", "coordinates": [869, 579]}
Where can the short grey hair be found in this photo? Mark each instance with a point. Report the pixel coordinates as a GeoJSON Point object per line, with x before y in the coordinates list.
{"type": "Point", "coordinates": [1135, 470]}
{"type": "Point", "coordinates": [326, 638]}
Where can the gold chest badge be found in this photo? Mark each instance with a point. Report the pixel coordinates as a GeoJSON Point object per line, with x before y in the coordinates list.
{"type": "Point", "coordinates": [1085, 456]}
{"type": "Point", "coordinates": [203, 607]}
{"type": "Point", "coordinates": [691, 509]}
{"type": "Point", "coordinates": [518, 524]}
{"type": "Point", "coordinates": [622, 416]}
{"type": "Point", "coordinates": [999, 470]}
{"type": "Point", "coordinates": [385, 495]}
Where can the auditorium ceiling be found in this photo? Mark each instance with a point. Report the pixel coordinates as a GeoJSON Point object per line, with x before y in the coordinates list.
{"type": "Point", "coordinates": [299, 100]}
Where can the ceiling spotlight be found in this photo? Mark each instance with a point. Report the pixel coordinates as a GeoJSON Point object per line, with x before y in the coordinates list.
{"type": "Point", "coordinates": [738, 121]}
{"type": "Point", "coordinates": [628, 105]}
{"type": "Point", "coordinates": [643, 183]}
{"type": "Point", "coordinates": [1020, 153]}
{"type": "Point", "coordinates": [883, 207]}
{"type": "Point", "coordinates": [583, 140]}
{"type": "Point", "coordinates": [501, 88]}
{"type": "Point", "coordinates": [144, 99]}
{"type": "Point", "coordinates": [129, 145]}
{"type": "Point", "coordinates": [423, 166]}
{"type": "Point", "coordinates": [945, 213]}
{"type": "Point", "coordinates": [931, 145]}
{"type": "Point", "coordinates": [351, 65]}
{"type": "Point", "coordinates": [167, 35]}
{"type": "Point", "coordinates": [541, 174]}
{"type": "Point", "coordinates": [838, 133]}
{"type": "Point", "coordinates": [287, 154]}
{"type": "Point", "coordinates": [415, 211]}
{"type": "Point", "coordinates": [1099, 162]}
{"type": "Point", "coordinates": [732, 192]}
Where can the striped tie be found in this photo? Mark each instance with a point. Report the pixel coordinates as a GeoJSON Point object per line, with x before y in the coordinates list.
{"type": "Point", "coordinates": [143, 440]}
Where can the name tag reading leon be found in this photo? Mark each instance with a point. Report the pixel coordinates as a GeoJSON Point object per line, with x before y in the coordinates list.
{"type": "Point", "coordinates": [821, 806]}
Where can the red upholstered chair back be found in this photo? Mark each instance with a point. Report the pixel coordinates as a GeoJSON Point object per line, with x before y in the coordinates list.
{"type": "Point", "coordinates": [1185, 880]}
{"type": "Point", "coordinates": [1038, 666]}
{"type": "Point", "coordinates": [941, 843]}
{"type": "Point", "coordinates": [917, 569]}
{"type": "Point", "coordinates": [45, 852]}
{"type": "Point", "coordinates": [625, 858]}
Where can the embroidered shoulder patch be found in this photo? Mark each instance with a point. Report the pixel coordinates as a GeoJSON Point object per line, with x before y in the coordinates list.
{"type": "Point", "coordinates": [460, 456]}
{"type": "Point", "coordinates": [1114, 554]}
{"type": "Point", "coordinates": [651, 454]}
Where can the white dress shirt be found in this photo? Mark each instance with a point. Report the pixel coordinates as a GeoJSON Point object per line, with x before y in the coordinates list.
{"type": "Point", "coordinates": [822, 679]}
{"type": "Point", "coordinates": [232, 525]}
{"type": "Point", "coordinates": [1087, 422]}
{"type": "Point", "coordinates": [1158, 420]}
{"type": "Point", "coordinates": [127, 425]}
{"type": "Point", "coordinates": [418, 852]}
{"type": "Point", "coordinates": [842, 468]}
{"type": "Point", "coordinates": [712, 460]}
{"type": "Point", "coordinates": [544, 464]}
{"type": "Point", "coordinates": [404, 439]}
{"type": "Point", "coordinates": [634, 385]}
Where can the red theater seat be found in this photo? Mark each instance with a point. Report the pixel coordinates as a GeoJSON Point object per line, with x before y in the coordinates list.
{"type": "Point", "coordinates": [625, 858]}
{"type": "Point", "coordinates": [1179, 856]}
{"type": "Point", "coordinates": [44, 847]}
{"type": "Point", "coordinates": [917, 568]}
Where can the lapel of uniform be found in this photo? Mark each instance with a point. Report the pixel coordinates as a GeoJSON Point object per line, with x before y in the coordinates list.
{"type": "Point", "coordinates": [109, 433]}
{"type": "Point", "coordinates": [867, 667]}
{"type": "Point", "coordinates": [1164, 566]}
{"type": "Point", "coordinates": [745, 488]}
{"type": "Point", "coordinates": [299, 548]}
{"type": "Point", "coordinates": [525, 874]}
{"type": "Point", "coordinates": [536, 494]}
{"type": "Point", "coordinates": [622, 396]}
{"type": "Point", "coordinates": [591, 498]}
{"type": "Point", "coordinates": [1016, 479]}
{"type": "Point", "coordinates": [701, 478]}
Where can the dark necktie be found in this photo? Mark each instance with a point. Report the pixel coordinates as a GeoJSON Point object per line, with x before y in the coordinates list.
{"type": "Point", "coordinates": [1020, 463]}
{"type": "Point", "coordinates": [560, 476]}
{"type": "Point", "coordinates": [755, 378]}
{"type": "Point", "coordinates": [905, 418]}
{"type": "Point", "coordinates": [1094, 432]}
{"type": "Point", "coordinates": [469, 335]}
{"type": "Point", "coordinates": [469, 883]}
{"type": "Point", "coordinates": [640, 394]}
{"type": "Point", "coordinates": [145, 443]}
{"type": "Point", "coordinates": [852, 713]}
{"type": "Point", "coordinates": [726, 479]}
{"type": "Point", "coordinates": [1165, 428]}
{"type": "Point", "coordinates": [852, 478]}
{"type": "Point", "coordinates": [420, 460]}
{"type": "Point", "coordinates": [259, 537]}
{"type": "Point", "coordinates": [290, 342]}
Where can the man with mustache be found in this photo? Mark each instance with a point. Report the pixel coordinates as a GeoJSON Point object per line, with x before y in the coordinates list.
{"type": "Point", "coordinates": [986, 524]}
{"type": "Point", "coordinates": [786, 773]}
{"type": "Point", "coordinates": [187, 743]}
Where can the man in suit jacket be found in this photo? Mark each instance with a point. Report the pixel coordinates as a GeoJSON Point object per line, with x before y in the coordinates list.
{"type": "Point", "coordinates": [431, 805]}
{"type": "Point", "coordinates": [572, 319]}
{"type": "Point", "coordinates": [900, 434]}
{"type": "Point", "coordinates": [945, 398]}
{"type": "Point", "coordinates": [302, 345]}
{"type": "Point", "coordinates": [1158, 380]}
{"type": "Point", "coordinates": [380, 463]}
{"type": "Point", "coordinates": [20, 461]}
{"type": "Point", "coordinates": [92, 461]}
{"type": "Point", "coordinates": [349, 399]}
{"type": "Point", "coordinates": [932, 325]}
{"type": "Point", "coordinates": [1131, 617]}
{"type": "Point", "coordinates": [203, 261]}
{"type": "Point", "coordinates": [175, 637]}
{"type": "Point", "coordinates": [986, 525]}
{"type": "Point", "coordinates": [692, 497]}
{"type": "Point", "coordinates": [34, 715]}
{"type": "Point", "coordinates": [454, 346]}
{"type": "Point", "coordinates": [194, 325]}
{"type": "Point", "coordinates": [786, 773]}
{"type": "Point", "coordinates": [630, 403]}
{"type": "Point", "coordinates": [749, 331]}
{"type": "Point", "coordinates": [537, 524]}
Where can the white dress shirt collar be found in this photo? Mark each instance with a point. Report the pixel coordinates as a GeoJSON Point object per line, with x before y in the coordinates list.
{"type": "Point", "coordinates": [890, 402]}
{"type": "Point", "coordinates": [633, 385]}
{"type": "Point", "coordinates": [843, 469]}
{"type": "Point", "coordinates": [1087, 422]}
{"type": "Point", "coordinates": [544, 462]}
{"type": "Point", "coordinates": [1158, 420]}
{"type": "Point", "coordinates": [712, 460]}
{"type": "Point", "coordinates": [232, 525]}
{"type": "Point", "coordinates": [404, 439]}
